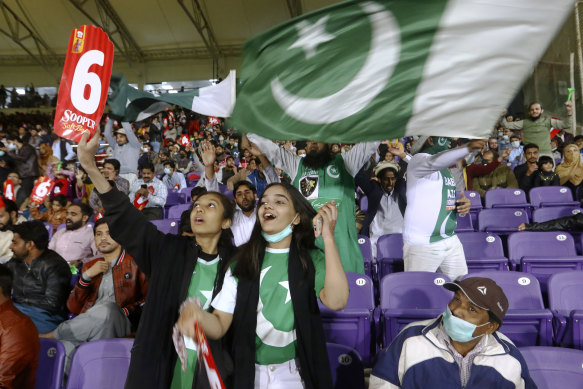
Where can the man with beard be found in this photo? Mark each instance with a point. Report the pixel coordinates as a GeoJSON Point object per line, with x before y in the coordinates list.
{"type": "Point", "coordinates": [75, 242]}
{"type": "Point", "coordinates": [41, 276]}
{"type": "Point", "coordinates": [107, 298]}
{"type": "Point", "coordinates": [538, 126]}
{"type": "Point", "coordinates": [8, 217]}
{"type": "Point", "coordinates": [526, 172]}
{"type": "Point", "coordinates": [321, 176]}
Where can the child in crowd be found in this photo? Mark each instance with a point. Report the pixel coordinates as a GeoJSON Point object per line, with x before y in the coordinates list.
{"type": "Point", "coordinates": [545, 175]}
{"type": "Point", "coordinates": [56, 212]}
{"type": "Point", "coordinates": [269, 295]}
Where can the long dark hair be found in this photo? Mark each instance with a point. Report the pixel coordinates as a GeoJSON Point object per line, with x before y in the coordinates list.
{"type": "Point", "coordinates": [250, 256]}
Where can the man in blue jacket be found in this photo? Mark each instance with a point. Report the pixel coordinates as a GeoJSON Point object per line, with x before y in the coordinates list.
{"type": "Point", "coordinates": [459, 349]}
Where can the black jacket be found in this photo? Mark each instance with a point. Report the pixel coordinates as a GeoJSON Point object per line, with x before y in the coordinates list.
{"type": "Point", "coordinates": [374, 192]}
{"type": "Point", "coordinates": [524, 182]}
{"type": "Point", "coordinates": [567, 223]}
{"type": "Point", "coordinates": [45, 285]}
{"type": "Point", "coordinates": [168, 262]}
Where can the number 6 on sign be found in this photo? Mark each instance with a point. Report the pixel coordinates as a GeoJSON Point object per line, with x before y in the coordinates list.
{"type": "Point", "coordinates": [41, 190]}
{"type": "Point", "coordinates": [84, 83]}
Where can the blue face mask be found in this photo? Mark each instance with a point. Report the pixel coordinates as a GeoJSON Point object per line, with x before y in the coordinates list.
{"type": "Point", "coordinates": [281, 235]}
{"type": "Point", "coordinates": [458, 329]}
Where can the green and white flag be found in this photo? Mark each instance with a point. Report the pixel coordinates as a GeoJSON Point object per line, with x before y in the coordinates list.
{"type": "Point", "coordinates": [129, 104]}
{"type": "Point", "coordinates": [372, 70]}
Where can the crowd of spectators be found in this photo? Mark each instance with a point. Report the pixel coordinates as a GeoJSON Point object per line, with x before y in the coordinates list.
{"type": "Point", "coordinates": [147, 160]}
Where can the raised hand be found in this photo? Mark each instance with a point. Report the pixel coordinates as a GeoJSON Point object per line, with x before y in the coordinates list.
{"type": "Point", "coordinates": [207, 153]}
{"type": "Point", "coordinates": [97, 268]}
{"type": "Point", "coordinates": [87, 149]}
{"type": "Point", "coordinates": [325, 220]}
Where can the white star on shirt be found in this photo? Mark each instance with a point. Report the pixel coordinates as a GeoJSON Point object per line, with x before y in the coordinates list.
{"type": "Point", "coordinates": [285, 284]}
{"type": "Point", "coordinates": [311, 35]}
{"type": "Point", "coordinates": [208, 294]}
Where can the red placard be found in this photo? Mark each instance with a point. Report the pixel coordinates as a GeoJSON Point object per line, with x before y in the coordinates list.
{"type": "Point", "coordinates": [41, 190]}
{"type": "Point", "coordinates": [9, 190]}
{"type": "Point", "coordinates": [213, 120]}
{"type": "Point", "coordinates": [185, 140]}
{"type": "Point", "coordinates": [84, 83]}
{"type": "Point", "coordinates": [204, 354]}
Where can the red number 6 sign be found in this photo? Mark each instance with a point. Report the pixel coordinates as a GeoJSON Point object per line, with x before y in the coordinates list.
{"type": "Point", "coordinates": [84, 83]}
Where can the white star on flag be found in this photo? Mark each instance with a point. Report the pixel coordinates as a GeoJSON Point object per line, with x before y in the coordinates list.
{"type": "Point", "coordinates": [311, 35]}
{"type": "Point", "coordinates": [285, 284]}
{"type": "Point", "coordinates": [208, 294]}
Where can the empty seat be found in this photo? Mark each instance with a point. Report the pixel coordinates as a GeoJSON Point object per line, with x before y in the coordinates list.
{"type": "Point", "coordinates": [353, 326]}
{"type": "Point", "coordinates": [167, 226]}
{"type": "Point", "coordinates": [501, 220]}
{"type": "Point", "coordinates": [552, 196]}
{"type": "Point", "coordinates": [51, 364]}
{"type": "Point", "coordinates": [186, 191]}
{"type": "Point", "coordinates": [410, 296]}
{"type": "Point", "coordinates": [549, 213]}
{"type": "Point", "coordinates": [506, 198]}
{"type": "Point", "coordinates": [173, 198]}
{"type": "Point", "coordinates": [527, 322]}
{"type": "Point", "coordinates": [175, 211]}
{"type": "Point", "coordinates": [483, 251]}
{"type": "Point", "coordinates": [389, 254]}
{"type": "Point", "coordinates": [49, 228]}
{"type": "Point", "coordinates": [363, 203]}
{"type": "Point", "coordinates": [346, 367]}
{"type": "Point", "coordinates": [366, 250]}
{"type": "Point", "coordinates": [565, 292]}
{"type": "Point", "coordinates": [554, 367]}
{"type": "Point", "coordinates": [100, 364]}
{"type": "Point", "coordinates": [464, 223]}
{"type": "Point", "coordinates": [543, 253]}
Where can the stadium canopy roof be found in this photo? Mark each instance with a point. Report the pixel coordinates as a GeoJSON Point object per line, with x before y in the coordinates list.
{"type": "Point", "coordinates": [155, 40]}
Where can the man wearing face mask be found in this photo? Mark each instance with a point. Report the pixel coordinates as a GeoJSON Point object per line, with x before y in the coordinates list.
{"type": "Point", "coordinates": [459, 349]}
{"type": "Point", "coordinates": [173, 179]}
{"type": "Point", "coordinates": [429, 240]}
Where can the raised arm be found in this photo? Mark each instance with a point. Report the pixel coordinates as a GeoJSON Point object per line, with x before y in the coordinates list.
{"type": "Point", "coordinates": [108, 133]}
{"type": "Point", "coordinates": [422, 165]}
{"type": "Point", "coordinates": [132, 139]}
{"type": "Point", "coordinates": [208, 155]}
{"type": "Point", "coordinates": [278, 156]}
{"type": "Point", "coordinates": [358, 155]}
{"type": "Point", "coordinates": [143, 240]}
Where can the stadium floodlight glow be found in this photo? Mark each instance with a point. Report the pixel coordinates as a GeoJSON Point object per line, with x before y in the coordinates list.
{"type": "Point", "coordinates": [173, 91]}
{"type": "Point", "coordinates": [21, 91]}
{"type": "Point", "coordinates": [167, 87]}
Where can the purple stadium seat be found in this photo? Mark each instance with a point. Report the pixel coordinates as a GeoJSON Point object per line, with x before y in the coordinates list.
{"type": "Point", "coordinates": [176, 211]}
{"type": "Point", "coordinates": [389, 254]}
{"type": "Point", "coordinates": [501, 220]}
{"type": "Point", "coordinates": [363, 204]}
{"type": "Point", "coordinates": [565, 292]}
{"type": "Point", "coordinates": [346, 367]}
{"type": "Point", "coordinates": [223, 188]}
{"type": "Point", "coordinates": [410, 296]}
{"type": "Point", "coordinates": [552, 196]}
{"type": "Point", "coordinates": [483, 251]}
{"type": "Point", "coordinates": [173, 198]}
{"type": "Point", "coordinates": [506, 198]}
{"type": "Point", "coordinates": [527, 322]}
{"type": "Point", "coordinates": [49, 228]}
{"type": "Point", "coordinates": [369, 262]}
{"type": "Point", "coordinates": [100, 364]}
{"type": "Point", "coordinates": [230, 195]}
{"type": "Point", "coordinates": [476, 204]}
{"type": "Point", "coordinates": [186, 191]}
{"type": "Point", "coordinates": [464, 223]}
{"type": "Point", "coordinates": [540, 215]}
{"type": "Point", "coordinates": [51, 364]}
{"type": "Point", "coordinates": [354, 325]}
{"type": "Point", "coordinates": [167, 226]}
{"type": "Point", "coordinates": [543, 253]}
{"type": "Point", "coordinates": [554, 367]}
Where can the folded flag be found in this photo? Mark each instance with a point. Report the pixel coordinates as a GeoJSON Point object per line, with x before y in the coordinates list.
{"type": "Point", "coordinates": [129, 104]}
{"type": "Point", "coordinates": [374, 70]}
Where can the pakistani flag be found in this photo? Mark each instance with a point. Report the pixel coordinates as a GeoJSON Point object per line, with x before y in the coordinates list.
{"type": "Point", "coordinates": [129, 104]}
{"type": "Point", "coordinates": [372, 70]}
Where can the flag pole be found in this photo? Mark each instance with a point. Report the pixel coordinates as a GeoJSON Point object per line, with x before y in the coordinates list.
{"type": "Point", "coordinates": [572, 95]}
{"type": "Point", "coordinates": [579, 52]}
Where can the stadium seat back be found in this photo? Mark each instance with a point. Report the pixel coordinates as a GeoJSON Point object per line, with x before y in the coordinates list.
{"type": "Point", "coordinates": [552, 196]}
{"type": "Point", "coordinates": [346, 367]}
{"type": "Point", "coordinates": [167, 226]}
{"type": "Point", "coordinates": [175, 211]}
{"type": "Point", "coordinates": [554, 367]}
{"type": "Point", "coordinates": [549, 213]}
{"type": "Point", "coordinates": [51, 364]}
{"type": "Point", "coordinates": [506, 197]}
{"type": "Point", "coordinates": [501, 220]}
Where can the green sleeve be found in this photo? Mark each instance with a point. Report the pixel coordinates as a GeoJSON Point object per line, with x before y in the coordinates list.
{"type": "Point", "coordinates": [319, 261]}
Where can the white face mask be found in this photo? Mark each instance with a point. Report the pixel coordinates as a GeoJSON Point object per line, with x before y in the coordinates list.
{"type": "Point", "coordinates": [516, 144]}
{"type": "Point", "coordinates": [166, 170]}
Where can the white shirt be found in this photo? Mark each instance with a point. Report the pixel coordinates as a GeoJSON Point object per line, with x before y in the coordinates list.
{"type": "Point", "coordinates": [242, 226]}
{"type": "Point", "coordinates": [177, 178]}
{"type": "Point", "coordinates": [155, 199]}
{"type": "Point", "coordinates": [388, 220]}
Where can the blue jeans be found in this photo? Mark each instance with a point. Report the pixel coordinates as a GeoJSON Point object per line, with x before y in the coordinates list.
{"type": "Point", "coordinates": [155, 146]}
{"type": "Point", "coordinates": [43, 320]}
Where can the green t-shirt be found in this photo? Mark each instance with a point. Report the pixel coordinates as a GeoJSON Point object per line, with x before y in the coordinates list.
{"type": "Point", "coordinates": [201, 286]}
{"type": "Point", "coordinates": [334, 182]}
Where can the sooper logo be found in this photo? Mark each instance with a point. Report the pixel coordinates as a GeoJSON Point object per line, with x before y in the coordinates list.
{"type": "Point", "coordinates": [367, 84]}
